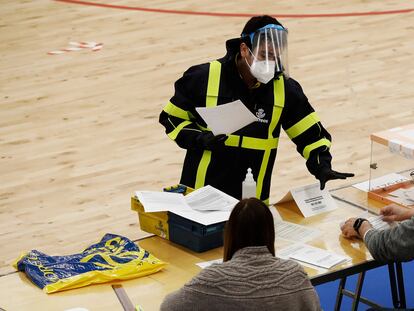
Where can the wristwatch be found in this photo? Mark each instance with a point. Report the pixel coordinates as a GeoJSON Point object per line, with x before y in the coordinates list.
{"type": "Point", "coordinates": [357, 224]}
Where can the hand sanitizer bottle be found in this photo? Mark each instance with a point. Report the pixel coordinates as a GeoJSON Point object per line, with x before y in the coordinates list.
{"type": "Point", "coordinates": [249, 186]}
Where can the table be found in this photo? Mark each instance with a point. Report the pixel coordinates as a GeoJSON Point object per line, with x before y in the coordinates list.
{"type": "Point", "coordinates": [149, 291]}
{"type": "Point", "coordinates": [182, 261]}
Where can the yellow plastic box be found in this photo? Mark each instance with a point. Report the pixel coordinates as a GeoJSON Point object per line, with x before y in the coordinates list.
{"type": "Point", "coordinates": [156, 223]}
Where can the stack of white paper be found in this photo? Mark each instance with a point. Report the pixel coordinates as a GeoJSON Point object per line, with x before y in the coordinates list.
{"type": "Point", "coordinates": [409, 194]}
{"type": "Point", "coordinates": [375, 220]}
{"type": "Point", "coordinates": [206, 205]}
{"type": "Point", "coordinates": [381, 182]}
{"type": "Point", "coordinates": [292, 232]}
{"type": "Point", "coordinates": [312, 255]}
{"type": "Point", "coordinates": [209, 198]}
{"type": "Point", "coordinates": [403, 196]}
{"type": "Point", "coordinates": [378, 223]}
{"type": "Point", "coordinates": [155, 201]}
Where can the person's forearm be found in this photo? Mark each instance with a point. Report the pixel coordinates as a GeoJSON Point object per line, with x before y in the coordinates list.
{"type": "Point", "coordinates": [365, 226]}
{"type": "Point", "coordinates": [391, 244]}
{"type": "Point", "coordinates": [409, 214]}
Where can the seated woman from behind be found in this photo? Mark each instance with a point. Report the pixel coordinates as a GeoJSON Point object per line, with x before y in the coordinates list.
{"type": "Point", "coordinates": [251, 277]}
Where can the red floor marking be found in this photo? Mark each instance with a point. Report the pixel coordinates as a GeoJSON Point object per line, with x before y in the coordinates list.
{"type": "Point", "coordinates": [123, 7]}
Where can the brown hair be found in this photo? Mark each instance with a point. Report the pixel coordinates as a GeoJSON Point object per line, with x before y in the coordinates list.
{"type": "Point", "coordinates": [250, 224]}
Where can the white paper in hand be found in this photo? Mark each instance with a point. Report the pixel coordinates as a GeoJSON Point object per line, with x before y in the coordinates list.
{"type": "Point", "coordinates": [228, 118]}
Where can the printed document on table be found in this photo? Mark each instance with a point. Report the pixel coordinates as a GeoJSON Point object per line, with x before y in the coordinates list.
{"type": "Point", "coordinates": [312, 201]}
{"type": "Point", "coordinates": [381, 182]}
{"type": "Point", "coordinates": [378, 223]}
{"type": "Point", "coordinates": [156, 201]}
{"type": "Point", "coordinates": [289, 231]}
{"type": "Point", "coordinates": [227, 118]}
{"type": "Point", "coordinates": [375, 220]}
{"type": "Point", "coordinates": [209, 198]}
{"type": "Point", "coordinates": [409, 194]}
{"type": "Point", "coordinates": [403, 196]}
{"type": "Point", "coordinates": [312, 255]}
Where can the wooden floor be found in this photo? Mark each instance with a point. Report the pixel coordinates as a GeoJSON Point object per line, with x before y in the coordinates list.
{"type": "Point", "coordinates": [79, 131]}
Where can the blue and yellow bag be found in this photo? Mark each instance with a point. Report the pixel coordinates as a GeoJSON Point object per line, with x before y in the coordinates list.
{"type": "Point", "coordinates": [113, 258]}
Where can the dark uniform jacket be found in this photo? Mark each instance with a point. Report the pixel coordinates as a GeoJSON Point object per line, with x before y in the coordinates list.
{"type": "Point", "coordinates": [279, 103]}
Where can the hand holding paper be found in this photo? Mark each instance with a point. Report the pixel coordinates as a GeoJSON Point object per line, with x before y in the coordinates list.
{"type": "Point", "coordinates": [207, 140]}
{"type": "Point", "coordinates": [228, 118]}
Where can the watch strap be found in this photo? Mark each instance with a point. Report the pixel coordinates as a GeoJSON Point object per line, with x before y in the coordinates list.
{"type": "Point", "coordinates": [357, 224]}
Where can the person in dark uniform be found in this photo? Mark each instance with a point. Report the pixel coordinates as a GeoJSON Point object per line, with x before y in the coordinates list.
{"type": "Point", "coordinates": [255, 71]}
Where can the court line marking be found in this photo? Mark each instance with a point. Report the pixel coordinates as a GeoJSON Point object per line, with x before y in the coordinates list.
{"type": "Point", "coordinates": [183, 12]}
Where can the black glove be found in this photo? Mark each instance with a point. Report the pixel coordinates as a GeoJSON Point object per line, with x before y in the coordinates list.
{"type": "Point", "coordinates": [326, 173]}
{"type": "Point", "coordinates": [319, 165]}
{"type": "Point", "coordinates": [207, 140]}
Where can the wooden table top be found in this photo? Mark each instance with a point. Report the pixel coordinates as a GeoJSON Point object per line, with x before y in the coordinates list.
{"type": "Point", "coordinates": [149, 291]}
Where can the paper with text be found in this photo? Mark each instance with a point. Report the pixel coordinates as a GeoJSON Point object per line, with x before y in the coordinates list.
{"type": "Point", "coordinates": [293, 232]}
{"type": "Point", "coordinates": [312, 201]}
{"type": "Point", "coordinates": [381, 182]}
{"type": "Point", "coordinates": [227, 118]}
{"type": "Point", "coordinates": [402, 196]}
{"type": "Point", "coordinates": [375, 220]}
{"type": "Point", "coordinates": [312, 255]}
{"type": "Point", "coordinates": [205, 206]}
{"type": "Point", "coordinates": [209, 198]}
{"type": "Point", "coordinates": [378, 223]}
{"type": "Point", "coordinates": [156, 201]}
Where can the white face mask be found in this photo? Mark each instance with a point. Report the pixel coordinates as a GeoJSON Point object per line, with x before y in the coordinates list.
{"type": "Point", "coordinates": [263, 71]}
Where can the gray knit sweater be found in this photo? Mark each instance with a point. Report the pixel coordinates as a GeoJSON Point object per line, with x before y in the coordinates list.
{"type": "Point", "coordinates": [393, 244]}
{"type": "Point", "coordinates": [252, 280]}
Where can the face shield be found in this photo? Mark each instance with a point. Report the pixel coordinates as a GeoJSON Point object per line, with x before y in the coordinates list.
{"type": "Point", "coordinates": [269, 51]}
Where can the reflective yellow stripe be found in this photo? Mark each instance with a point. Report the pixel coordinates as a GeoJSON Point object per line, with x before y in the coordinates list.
{"type": "Point", "coordinates": [302, 125]}
{"type": "Point", "coordinates": [252, 143]}
{"type": "Point", "coordinates": [202, 169]}
{"type": "Point", "coordinates": [213, 84]}
{"type": "Point", "coordinates": [262, 172]}
{"type": "Point", "coordinates": [259, 143]}
{"type": "Point", "coordinates": [232, 141]}
{"type": "Point", "coordinates": [175, 111]}
{"type": "Point", "coordinates": [279, 96]}
{"type": "Point", "coordinates": [278, 104]}
{"type": "Point", "coordinates": [321, 142]}
{"type": "Point", "coordinates": [266, 201]}
{"type": "Point", "coordinates": [211, 101]}
{"type": "Point", "coordinates": [174, 133]}
{"type": "Point", "coordinates": [203, 128]}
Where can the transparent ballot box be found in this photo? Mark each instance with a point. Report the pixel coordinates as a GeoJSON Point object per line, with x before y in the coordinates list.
{"type": "Point", "coordinates": [392, 166]}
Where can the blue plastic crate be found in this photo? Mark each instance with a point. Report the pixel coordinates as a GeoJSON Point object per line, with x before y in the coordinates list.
{"type": "Point", "coordinates": [193, 235]}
